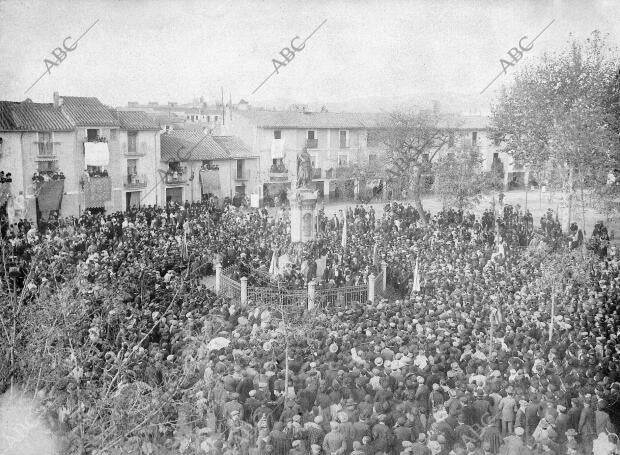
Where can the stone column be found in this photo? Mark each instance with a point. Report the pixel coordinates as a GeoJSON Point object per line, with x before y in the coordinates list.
{"type": "Point", "coordinates": [384, 269]}
{"type": "Point", "coordinates": [244, 290]}
{"type": "Point", "coordinates": [311, 295]}
{"type": "Point", "coordinates": [371, 287]}
{"type": "Point", "coordinates": [218, 279]}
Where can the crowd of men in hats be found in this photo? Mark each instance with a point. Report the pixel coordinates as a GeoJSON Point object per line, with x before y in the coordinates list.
{"type": "Point", "coordinates": [427, 374]}
{"type": "Point", "coordinates": [464, 366]}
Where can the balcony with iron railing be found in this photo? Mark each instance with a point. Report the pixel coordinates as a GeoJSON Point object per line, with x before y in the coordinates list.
{"type": "Point", "coordinates": [45, 151]}
{"type": "Point", "coordinates": [244, 175]}
{"type": "Point", "coordinates": [278, 172]}
{"type": "Point", "coordinates": [176, 176]}
{"type": "Point", "coordinates": [135, 181]}
{"type": "Point", "coordinates": [312, 143]}
{"type": "Point", "coordinates": [134, 152]}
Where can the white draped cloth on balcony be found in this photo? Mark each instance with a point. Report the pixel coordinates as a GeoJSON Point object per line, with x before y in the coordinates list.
{"type": "Point", "coordinates": [96, 154]}
{"type": "Point", "coordinates": [277, 149]}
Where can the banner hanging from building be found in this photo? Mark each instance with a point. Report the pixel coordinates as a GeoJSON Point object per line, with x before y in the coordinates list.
{"type": "Point", "coordinates": [49, 196]}
{"type": "Point", "coordinates": [97, 191]}
{"type": "Point", "coordinates": [210, 182]}
{"type": "Point", "coordinates": [96, 154]}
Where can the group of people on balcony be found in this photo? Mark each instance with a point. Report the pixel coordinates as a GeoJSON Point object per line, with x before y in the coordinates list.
{"type": "Point", "coordinates": [5, 177]}
{"type": "Point", "coordinates": [96, 171]}
{"type": "Point", "coordinates": [278, 167]}
{"type": "Point", "coordinates": [46, 176]}
{"type": "Point", "coordinates": [175, 174]}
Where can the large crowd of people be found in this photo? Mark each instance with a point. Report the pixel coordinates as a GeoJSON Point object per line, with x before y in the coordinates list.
{"type": "Point", "coordinates": [465, 365]}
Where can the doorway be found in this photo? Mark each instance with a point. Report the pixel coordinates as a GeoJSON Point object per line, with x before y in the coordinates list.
{"type": "Point", "coordinates": [174, 195]}
{"type": "Point", "coordinates": [132, 199]}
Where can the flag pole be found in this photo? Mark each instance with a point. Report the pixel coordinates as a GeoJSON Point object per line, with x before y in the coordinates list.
{"type": "Point", "coordinates": [552, 316]}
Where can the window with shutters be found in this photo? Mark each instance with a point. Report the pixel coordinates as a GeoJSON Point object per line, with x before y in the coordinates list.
{"type": "Point", "coordinates": [46, 146]}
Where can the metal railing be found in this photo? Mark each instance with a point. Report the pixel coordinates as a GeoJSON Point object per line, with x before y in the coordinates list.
{"type": "Point", "coordinates": [312, 143]}
{"type": "Point", "coordinates": [135, 181]}
{"type": "Point", "coordinates": [266, 291]}
{"type": "Point", "coordinates": [340, 296]}
{"type": "Point", "coordinates": [277, 297]}
{"type": "Point", "coordinates": [245, 175]}
{"type": "Point", "coordinates": [231, 288]}
{"type": "Point", "coordinates": [379, 288]}
{"type": "Point", "coordinates": [173, 177]}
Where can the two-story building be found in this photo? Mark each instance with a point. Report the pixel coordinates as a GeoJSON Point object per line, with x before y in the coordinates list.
{"type": "Point", "coordinates": [194, 165]}
{"type": "Point", "coordinates": [36, 139]}
{"type": "Point", "coordinates": [76, 154]}
{"type": "Point", "coordinates": [333, 140]}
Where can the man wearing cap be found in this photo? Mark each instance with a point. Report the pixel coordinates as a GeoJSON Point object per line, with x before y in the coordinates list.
{"type": "Point", "coordinates": [346, 429]}
{"type": "Point", "coordinates": [233, 405]}
{"type": "Point", "coordinates": [587, 425]}
{"type": "Point", "coordinates": [514, 443]}
{"type": "Point", "coordinates": [419, 447]}
{"type": "Point", "coordinates": [382, 434]}
{"type": "Point", "coordinates": [401, 433]}
{"type": "Point", "coordinates": [601, 417]}
{"type": "Point", "coordinates": [314, 431]}
{"type": "Point", "coordinates": [334, 442]}
{"type": "Point", "coordinates": [561, 424]}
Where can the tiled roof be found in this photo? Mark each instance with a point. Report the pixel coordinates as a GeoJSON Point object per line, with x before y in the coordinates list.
{"type": "Point", "coordinates": [190, 145]}
{"type": "Point", "coordinates": [320, 120]}
{"type": "Point", "coordinates": [292, 119]}
{"type": "Point", "coordinates": [135, 120]}
{"type": "Point", "coordinates": [40, 117]}
{"type": "Point", "coordinates": [165, 118]}
{"type": "Point", "coordinates": [87, 111]}
{"type": "Point", "coordinates": [201, 147]}
{"type": "Point", "coordinates": [234, 147]}
{"type": "Point", "coordinates": [7, 122]}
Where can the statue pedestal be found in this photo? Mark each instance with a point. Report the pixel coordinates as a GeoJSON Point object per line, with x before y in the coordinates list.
{"type": "Point", "coordinates": [303, 203]}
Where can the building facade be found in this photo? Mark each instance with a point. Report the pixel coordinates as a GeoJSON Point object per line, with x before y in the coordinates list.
{"type": "Point", "coordinates": [76, 154]}
{"type": "Point", "coordinates": [333, 140]}
{"type": "Point", "coordinates": [195, 165]}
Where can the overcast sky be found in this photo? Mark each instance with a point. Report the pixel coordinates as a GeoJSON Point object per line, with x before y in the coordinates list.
{"type": "Point", "coordinates": [151, 50]}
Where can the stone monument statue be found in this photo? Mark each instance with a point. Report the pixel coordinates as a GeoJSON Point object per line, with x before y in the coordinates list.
{"type": "Point", "coordinates": [304, 169]}
{"type": "Point", "coordinates": [303, 201]}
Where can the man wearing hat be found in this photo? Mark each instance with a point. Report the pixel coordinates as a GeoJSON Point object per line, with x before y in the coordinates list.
{"type": "Point", "coordinates": [571, 442]}
{"type": "Point", "coordinates": [507, 407]}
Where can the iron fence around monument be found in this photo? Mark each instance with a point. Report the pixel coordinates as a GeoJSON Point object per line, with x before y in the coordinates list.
{"type": "Point", "coordinates": [379, 288]}
{"type": "Point", "coordinates": [231, 288]}
{"type": "Point", "coordinates": [278, 297]}
{"type": "Point", "coordinates": [269, 294]}
{"type": "Point", "coordinates": [338, 297]}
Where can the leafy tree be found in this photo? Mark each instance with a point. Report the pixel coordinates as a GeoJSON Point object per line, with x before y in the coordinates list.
{"type": "Point", "coordinates": [558, 112]}
{"type": "Point", "coordinates": [459, 181]}
{"type": "Point", "coordinates": [411, 142]}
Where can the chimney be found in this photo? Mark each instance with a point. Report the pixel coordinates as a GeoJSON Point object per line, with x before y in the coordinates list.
{"type": "Point", "coordinates": [57, 100]}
